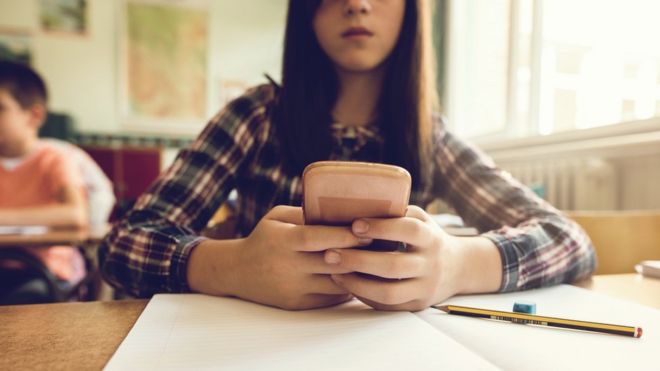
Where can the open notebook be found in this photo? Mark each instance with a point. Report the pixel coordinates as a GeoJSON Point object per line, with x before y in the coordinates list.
{"type": "Point", "coordinates": [189, 331]}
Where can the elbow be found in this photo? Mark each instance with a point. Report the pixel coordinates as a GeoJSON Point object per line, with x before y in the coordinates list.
{"type": "Point", "coordinates": [585, 244]}
{"type": "Point", "coordinates": [116, 266]}
{"type": "Point", "coordinates": [590, 259]}
{"type": "Point", "coordinates": [79, 219]}
{"type": "Point", "coordinates": [584, 256]}
{"type": "Point", "coordinates": [113, 268]}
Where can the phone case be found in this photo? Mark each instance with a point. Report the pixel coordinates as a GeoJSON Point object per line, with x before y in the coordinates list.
{"type": "Point", "coordinates": [338, 192]}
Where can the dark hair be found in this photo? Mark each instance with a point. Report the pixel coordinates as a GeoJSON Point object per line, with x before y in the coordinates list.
{"type": "Point", "coordinates": [310, 88]}
{"type": "Point", "coordinates": [23, 83]}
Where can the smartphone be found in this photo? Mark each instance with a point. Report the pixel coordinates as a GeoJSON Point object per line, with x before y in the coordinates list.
{"type": "Point", "coordinates": [338, 192]}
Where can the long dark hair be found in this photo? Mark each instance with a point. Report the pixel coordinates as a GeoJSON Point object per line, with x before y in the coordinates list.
{"type": "Point", "coordinates": [309, 91]}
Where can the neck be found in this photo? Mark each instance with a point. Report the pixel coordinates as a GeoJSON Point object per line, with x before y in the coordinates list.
{"type": "Point", "coordinates": [17, 150]}
{"type": "Point", "coordinates": [358, 96]}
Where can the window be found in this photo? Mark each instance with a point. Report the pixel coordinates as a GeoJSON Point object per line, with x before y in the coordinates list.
{"type": "Point", "coordinates": [476, 97]}
{"type": "Point", "coordinates": [528, 67]}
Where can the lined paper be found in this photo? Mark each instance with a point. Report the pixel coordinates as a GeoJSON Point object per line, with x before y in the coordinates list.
{"type": "Point", "coordinates": [190, 331]}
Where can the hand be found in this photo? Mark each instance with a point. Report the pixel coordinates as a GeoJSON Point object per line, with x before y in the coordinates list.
{"type": "Point", "coordinates": [432, 270]}
{"type": "Point", "coordinates": [281, 262]}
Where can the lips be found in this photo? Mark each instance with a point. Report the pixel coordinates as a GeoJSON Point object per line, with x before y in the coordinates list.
{"type": "Point", "coordinates": [356, 31]}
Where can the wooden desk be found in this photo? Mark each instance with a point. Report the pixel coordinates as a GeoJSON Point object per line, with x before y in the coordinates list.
{"type": "Point", "coordinates": [629, 286]}
{"type": "Point", "coordinates": [85, 335]}
{"type": "Point", "coordinates": [68, 336]}
{"type": "Point", "coordinates": [77, 237]}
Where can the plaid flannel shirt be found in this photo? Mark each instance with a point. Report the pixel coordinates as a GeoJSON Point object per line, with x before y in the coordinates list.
{"type": "Point", "coordinates": [147, 252]}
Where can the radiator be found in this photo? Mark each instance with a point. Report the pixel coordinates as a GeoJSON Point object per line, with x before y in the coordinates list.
{"type": "Point", "coordinates": [570, 184]}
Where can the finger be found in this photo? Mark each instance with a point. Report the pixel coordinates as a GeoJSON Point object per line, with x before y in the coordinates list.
{"type": "Point", "coordinates": [323, 284]}
{"type": "Point", "coordinates": [314, 262]}
{"type": "Point", "coordinates": [286, 214]}
{"type": "Point", "coordinates": [378, 263]}
{"type": "Point", "coordinates": [418, 213]}
{"type": "Point", "coordinates": [321, 237]}
{"type": "Point", "coordinates": [407, 229]}
{"type": "Point", "coordinates": [383, 292]}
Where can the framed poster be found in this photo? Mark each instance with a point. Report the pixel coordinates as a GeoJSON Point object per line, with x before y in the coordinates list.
{"type": "Point", "coordinates": [63, 16]}
{"type": "Point", "coordinates": [164, 65]}
{"type": "Point", "coordinates": [15, 45]}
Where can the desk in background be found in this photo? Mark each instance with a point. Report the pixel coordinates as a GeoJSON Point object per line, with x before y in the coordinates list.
{"type": "Point", "coordinates": [77, 237]}
{"type": "Point", "coordinates": [86, 335]}
{"type": "Point", "coordinates": [631, 287]}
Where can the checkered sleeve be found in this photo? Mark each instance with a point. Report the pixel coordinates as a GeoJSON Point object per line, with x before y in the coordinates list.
{"type": "Point", "coordinates": [538, 245]}
{"type": "Point", "coordinates": [147, 251]}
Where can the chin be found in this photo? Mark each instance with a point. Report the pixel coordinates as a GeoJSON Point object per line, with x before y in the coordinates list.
{"type": "Point", "coordinates": [359, 65]}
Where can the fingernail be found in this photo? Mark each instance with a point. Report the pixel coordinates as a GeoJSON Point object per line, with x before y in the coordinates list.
{"type": "Point", "coordinates": [360, 226]}
{"type": "Point", "coordinates": [336, 277]}
{"type": "Point", "coordinates": [332, 257]}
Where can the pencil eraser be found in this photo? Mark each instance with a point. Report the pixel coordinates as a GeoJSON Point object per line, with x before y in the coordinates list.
{"type": "Point", "coordinates": [528, 307]}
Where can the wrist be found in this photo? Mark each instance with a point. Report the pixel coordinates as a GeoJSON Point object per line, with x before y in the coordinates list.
{"type": "Point", "coordinates": [480, 265]}
{"type": "Point", "coordinates": [212, 267]}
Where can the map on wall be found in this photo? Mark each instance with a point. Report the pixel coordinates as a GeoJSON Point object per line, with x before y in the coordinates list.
{"type": "Point", "coordinates": [166, 59]}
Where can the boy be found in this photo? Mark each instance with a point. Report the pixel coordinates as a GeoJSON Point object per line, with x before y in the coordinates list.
{"type": "Point", "coordinates": [39, 183]}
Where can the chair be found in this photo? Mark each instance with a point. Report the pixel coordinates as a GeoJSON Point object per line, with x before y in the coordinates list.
{"type": "Point", "coordinates": [621, 238]}
{"type": "Point", "coordinates": [39, 285]}
{"type": "Point", "coordinates": [58, 125]}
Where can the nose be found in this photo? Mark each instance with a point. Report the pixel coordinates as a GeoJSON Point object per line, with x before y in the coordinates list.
{"type": "Point", "coordinates": [353, 7]}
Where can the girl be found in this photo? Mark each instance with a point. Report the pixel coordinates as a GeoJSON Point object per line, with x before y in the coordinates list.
{"type": "Point", "coordinates": [357, 85]}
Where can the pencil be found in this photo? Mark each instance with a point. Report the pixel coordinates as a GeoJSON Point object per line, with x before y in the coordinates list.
{"type": "Point", "coordinates": [531, 319]}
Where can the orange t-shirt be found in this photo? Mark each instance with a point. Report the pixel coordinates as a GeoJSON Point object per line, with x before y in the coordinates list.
{"type": "Point", "coordinates": [36, 180]}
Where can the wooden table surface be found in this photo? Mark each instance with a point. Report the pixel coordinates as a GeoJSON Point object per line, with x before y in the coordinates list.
{"type": "Point", "coordinates": [631, 287]}
{"type": "Point", "coordinates": [74, 336]}
{"type": "Point", "coordinates": [68, 336]}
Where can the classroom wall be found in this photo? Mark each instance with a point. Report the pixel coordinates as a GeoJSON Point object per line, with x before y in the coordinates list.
{"type": "Point", "coordinates": [82, 71]}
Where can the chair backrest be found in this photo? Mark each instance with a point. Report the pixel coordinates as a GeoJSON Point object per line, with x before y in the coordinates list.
{"type": "Point", "coordinates": [621, 238]}
{"type": "Point", "coordinates": [59, 126]}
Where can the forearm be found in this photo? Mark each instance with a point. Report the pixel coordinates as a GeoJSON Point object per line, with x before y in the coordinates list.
{"type": "Point", "coordinates": [543, 252]}
{"type": "Point", "coordinates": [480, 265]}
{"type": "Point", "coordinates": [55, 215]}
{"type": "Point", "coordinates": [537, 245]}
{"type": "Point", "coordinates": [212, 267]}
